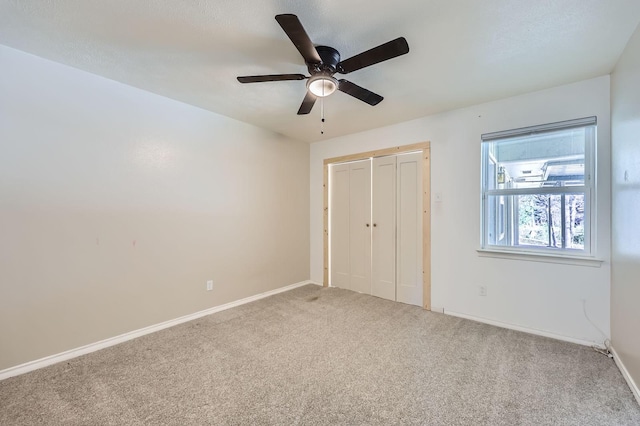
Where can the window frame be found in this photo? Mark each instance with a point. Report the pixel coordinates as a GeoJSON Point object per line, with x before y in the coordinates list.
{"type": "Point", "coordinates": [505, 196]}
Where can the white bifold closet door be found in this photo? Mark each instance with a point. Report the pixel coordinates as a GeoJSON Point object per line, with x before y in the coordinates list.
{"type": "Point", "coordinates": [383, 207]}
{"type": "Point", "coordinates": [351, 226]}
{"type": "Point", "coordinates": [409, 229]}
{"type": "Point", "coordinates": [376, 227]}
{"type": "Point", "coordinates": [339, 222]}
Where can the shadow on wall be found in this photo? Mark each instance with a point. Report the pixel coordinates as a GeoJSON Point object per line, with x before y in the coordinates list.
{"type": "Point", "coordinates": [626, 233]}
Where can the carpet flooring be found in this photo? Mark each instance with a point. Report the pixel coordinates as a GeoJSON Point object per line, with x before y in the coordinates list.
{"type": "Point", "coordinates": [318, 356]}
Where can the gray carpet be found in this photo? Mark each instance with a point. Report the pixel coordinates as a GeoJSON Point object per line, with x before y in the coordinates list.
{"type": "Point", "coordinates": [326, 356]}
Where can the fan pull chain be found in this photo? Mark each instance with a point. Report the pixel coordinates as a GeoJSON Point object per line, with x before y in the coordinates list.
{"type": "Point", "coordinates": [322, 114]}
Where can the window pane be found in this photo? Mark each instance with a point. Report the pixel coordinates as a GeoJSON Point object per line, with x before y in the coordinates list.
{"type": "Point", "coordinates": [544, 160]}
{"type": "Point", "coordinates": [539, 218]}
{"type": "Point", "coordinates": [536, 220]}
{"type": "Point", "coordinates": [574, 220]}
{"type": "Point", "coordinates": [498, 220]}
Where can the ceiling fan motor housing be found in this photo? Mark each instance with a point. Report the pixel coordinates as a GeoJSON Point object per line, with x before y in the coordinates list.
{"type": "Point", "coordinates": [330, 60]}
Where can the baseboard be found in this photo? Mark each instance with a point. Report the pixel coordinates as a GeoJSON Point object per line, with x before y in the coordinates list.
{"type": "Point", "coordinates": [627, 377]}
{"type": "Point", "coordinates": [92, 347]}
{"type": "Point", "coordinates": [524, 329]}
{"type": "Point", "coordinates": [437, 309]}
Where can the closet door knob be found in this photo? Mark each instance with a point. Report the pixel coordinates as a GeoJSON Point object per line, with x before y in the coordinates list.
{"type": "Point", "coordinates": [375, 224]}
{"type": "Point", "coordinates": [367, 225]}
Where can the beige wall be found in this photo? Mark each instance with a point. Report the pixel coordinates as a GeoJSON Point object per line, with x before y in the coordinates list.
{"type": "Point", "coordinates": [116, 206]}
{"type": "Point", "coordinates": [625, 289]}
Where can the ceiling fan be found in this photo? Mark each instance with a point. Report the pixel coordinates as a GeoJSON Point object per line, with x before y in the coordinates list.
{"type": "Point", "coordinates": [324, 61]}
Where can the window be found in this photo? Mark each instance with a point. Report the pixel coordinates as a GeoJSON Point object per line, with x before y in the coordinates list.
{"type": "Point", "coordinates": [538, 189]}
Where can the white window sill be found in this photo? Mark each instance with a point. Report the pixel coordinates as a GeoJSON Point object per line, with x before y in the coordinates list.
{"type": "Point", "coordinates": [542, 257]}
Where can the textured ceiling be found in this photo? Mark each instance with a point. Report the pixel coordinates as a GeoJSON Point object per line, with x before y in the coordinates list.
{"type": "Point", "coordinates": [463, 52]}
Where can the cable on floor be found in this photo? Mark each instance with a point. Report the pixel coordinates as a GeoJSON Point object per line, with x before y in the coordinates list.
{"type": "Point", "coordinates": [606, 343]}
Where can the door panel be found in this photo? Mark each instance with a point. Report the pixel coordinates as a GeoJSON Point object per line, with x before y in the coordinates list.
{"type": "Point", "coordinates": [360, 225]}
{"type": "Point", "coordinates": [339, 224]}
{"type": "Point", "coordinates": [383, 249]}
{"type": "Point", "coordinates": [409, 229]}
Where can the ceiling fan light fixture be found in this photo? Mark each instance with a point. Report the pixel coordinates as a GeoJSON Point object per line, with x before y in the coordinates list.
{"type": "Point", "coordinates": [322, 85]}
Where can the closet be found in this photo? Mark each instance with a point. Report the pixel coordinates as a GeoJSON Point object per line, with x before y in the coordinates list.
{"type": "Point", "coordinates": [375, 226]}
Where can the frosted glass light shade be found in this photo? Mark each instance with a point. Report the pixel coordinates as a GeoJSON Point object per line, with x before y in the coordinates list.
{"type": "Point", "coordinates": [322, 85]}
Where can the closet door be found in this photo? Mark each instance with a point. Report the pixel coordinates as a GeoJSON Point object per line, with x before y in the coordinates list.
{"type": "Point", "coordinates": [383, 249]}
{"type": "Point", "coordinates": [360, 226]}
{"type": "Point", "coordinates": [339, 222]}
{"type": "Point", "coordinates": [350, 222]}
{"type": "Point", "coordinates": [409, 229]}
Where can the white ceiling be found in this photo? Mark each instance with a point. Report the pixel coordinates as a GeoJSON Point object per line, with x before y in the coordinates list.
{"type": "Point", "coordinates": [462, 52]}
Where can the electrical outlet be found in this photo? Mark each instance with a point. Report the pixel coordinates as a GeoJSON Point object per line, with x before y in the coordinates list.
{"type": "Point", "coordinates": [209, 285]}
{"type": "Point", "coordinates": [482, 290]}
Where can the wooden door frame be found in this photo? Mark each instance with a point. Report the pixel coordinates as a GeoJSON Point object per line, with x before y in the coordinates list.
{"type": "Point", "coordinates": [425, 147]}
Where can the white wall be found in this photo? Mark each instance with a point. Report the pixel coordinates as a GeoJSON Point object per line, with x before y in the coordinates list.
{"type": "Point", "coordinates": [534, 295]}
{"type": "Point", "coordinates": [625, 281]}
{"type": "Point", "coordinates": [116, 205]}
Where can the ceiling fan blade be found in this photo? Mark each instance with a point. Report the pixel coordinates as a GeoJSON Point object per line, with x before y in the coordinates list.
{"type": "Point", "coordinates": [359, 92]}
{"type": "Point", "coordinates": [307, 103]}
{"type": "Point", "coordinates": [381, 53]}
{"type": "Point", "coordinates": [272, 77]}
{"type": "Point", "coordinates": [294, 29]}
